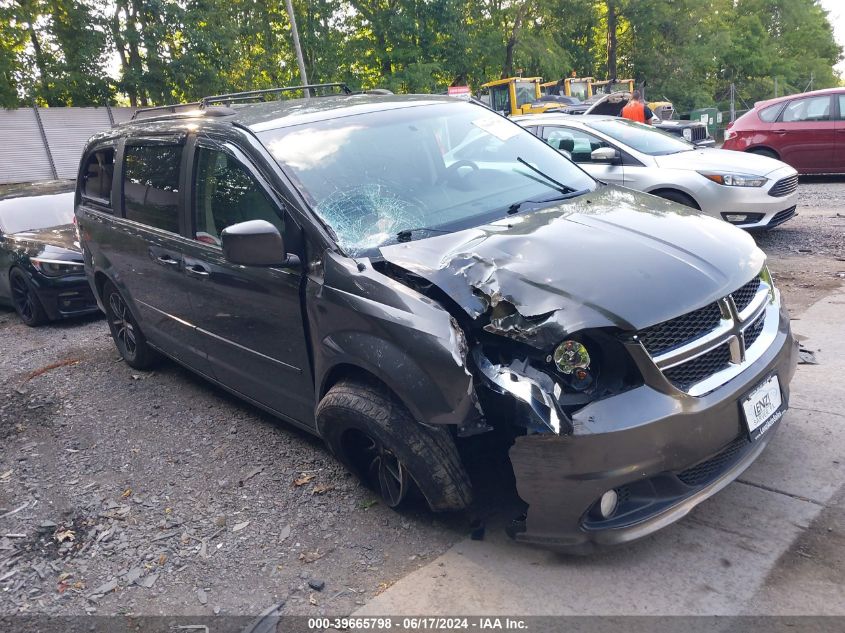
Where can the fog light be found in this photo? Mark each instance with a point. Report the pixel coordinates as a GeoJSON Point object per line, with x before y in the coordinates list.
{"type": "Point", "coordinates": [607, 504]}
{"type": "Point", "coordinates": [735, 217]}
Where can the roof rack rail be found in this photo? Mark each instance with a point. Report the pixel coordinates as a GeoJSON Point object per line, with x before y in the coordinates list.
{"type": "Point", "coordinates": [255, 94]}
{"type": "Point", "coordinates": [173, 108]}
{"type": "Point", "coordinates": [205, 103]}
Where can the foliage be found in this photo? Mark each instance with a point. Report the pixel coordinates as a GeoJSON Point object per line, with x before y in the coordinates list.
{"type": "Point", "coordinates": [82, 52]}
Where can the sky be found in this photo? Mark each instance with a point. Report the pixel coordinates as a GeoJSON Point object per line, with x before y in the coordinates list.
{"type": "Point", "coordinates": [836, 14]}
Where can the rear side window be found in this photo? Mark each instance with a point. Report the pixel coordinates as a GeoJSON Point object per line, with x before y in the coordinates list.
{"type": "Point", "coordinates": [151, 185]}
{"type": "Point", "coordinates": [768, 115]}
{"type": "Point", "coordinates": [841, 107]}
{"type": "Point", "coordinates": [97, 176]}
{"type": "Point", "coordinates": [809, 109]}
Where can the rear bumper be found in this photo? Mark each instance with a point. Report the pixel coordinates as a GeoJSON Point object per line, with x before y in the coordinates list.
{"type": "Point", "coordinates": [663, 453]}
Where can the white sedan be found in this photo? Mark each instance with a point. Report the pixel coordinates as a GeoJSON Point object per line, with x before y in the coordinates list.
{"type": "Point", "coordinates": [748, 190]}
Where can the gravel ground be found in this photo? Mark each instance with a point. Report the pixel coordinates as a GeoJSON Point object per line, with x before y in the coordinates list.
{"type": "Point", "coordinates": [155, 493]}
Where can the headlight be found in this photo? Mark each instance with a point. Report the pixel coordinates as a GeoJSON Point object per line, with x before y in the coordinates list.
{"type": "Point", "coordinates": [735, 180]}
{"type": "Point", "coordinates": [766, 276]}
{"type": "Point", "coordinates": [56, 267]}
{"type": "Point", "coordinates": [687, 134]}
{"type": "Point", "coordinates": [571, 355]}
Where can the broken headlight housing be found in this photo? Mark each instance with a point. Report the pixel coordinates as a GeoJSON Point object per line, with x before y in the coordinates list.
{"type": "Point", "coordinates": [571, 355]}
{"type": "Point", "coordinates": [572, 359]}
{"type": "Point", "coordinates": [551, 385]}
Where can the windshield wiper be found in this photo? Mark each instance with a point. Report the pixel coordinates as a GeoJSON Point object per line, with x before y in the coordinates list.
{"type": "Point", "coordinates": [405, 235]}
{"type": "Point", "coordinates": [516, 206]}
{"type": "Point", "coordinates": [557, 184]}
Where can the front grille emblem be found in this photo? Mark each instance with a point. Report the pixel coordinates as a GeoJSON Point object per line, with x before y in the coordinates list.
{"type": "Point", "coordinates": [737, 341]}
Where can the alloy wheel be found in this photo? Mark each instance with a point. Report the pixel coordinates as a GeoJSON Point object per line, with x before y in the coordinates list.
{"type": "Point", "coordinates": [124, 331]}
{"type": "Point", "coordinates": [381, 466]}
{"type": "Point", "coordinates": [23, 297]}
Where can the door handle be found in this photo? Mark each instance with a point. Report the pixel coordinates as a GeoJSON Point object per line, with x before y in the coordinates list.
{"type": "Point", "coordinates": [779, 131]}
{"type": "Point", "coordinates": [197, 271]}
{"type": "Point", "coordinates": [167, 260]}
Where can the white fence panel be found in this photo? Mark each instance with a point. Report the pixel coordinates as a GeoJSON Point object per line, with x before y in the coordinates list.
{"type": "Point", "coordinates": [23, 157]}
{"type": "Point", "coordinates": [67, 130]}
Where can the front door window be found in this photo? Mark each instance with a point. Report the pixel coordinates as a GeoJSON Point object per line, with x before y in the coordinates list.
{"type": "Point", "coordinates": [225, 195]}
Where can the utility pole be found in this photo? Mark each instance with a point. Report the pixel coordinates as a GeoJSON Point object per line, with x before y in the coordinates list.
{"type": "Point", "coordinates": [294, 32]}
{"type": "Point", "coordinates": [733, 103]}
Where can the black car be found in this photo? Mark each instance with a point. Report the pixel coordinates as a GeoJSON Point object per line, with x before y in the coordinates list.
{"type": "Point", "coordinates": [41, 270]}
{"type": "Point", "coordinates": [409, 276]}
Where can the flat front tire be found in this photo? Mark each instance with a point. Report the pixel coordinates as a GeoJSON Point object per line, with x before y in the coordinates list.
{"type": "Point", "coordinates": [128, 338]}
{"type": "Point", "coordinates": [374, 435]}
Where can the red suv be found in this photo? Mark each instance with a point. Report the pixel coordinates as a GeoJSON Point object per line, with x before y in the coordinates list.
{"type": "Point", "coordinates": [805, 130]}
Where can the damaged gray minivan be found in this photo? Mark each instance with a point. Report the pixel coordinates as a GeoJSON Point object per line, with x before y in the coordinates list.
{"type": "Point", "coordinates": [402, 274]}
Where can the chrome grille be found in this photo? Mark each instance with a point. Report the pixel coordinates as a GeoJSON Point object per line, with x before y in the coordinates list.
{"type": "Point", "coordinates": [744, 296]}
{"type": "Point", "coordinates": [687, 374]}
{"type": "Point", "coordinates": [665, 336]}
{"type": "Point", "coordinates": [784, 186]}
{"type": "Point", "coordinates": [752, 333]}
{"type": "Point", "coordinates": [699, 133]}
{"type": "Point", "coordinates": [703, 349]}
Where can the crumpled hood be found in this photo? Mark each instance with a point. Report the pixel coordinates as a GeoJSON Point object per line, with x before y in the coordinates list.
{"type": "Point", "coordinates": [613, 257]}
{"type": "Point", "coordinates": [55, 238]}
{"type": "Point", "coordinates": [721, 160]}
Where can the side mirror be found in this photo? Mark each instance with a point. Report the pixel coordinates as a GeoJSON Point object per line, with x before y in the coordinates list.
{"type": "Point", "coordinates": [255, 243]}
{"type": "Point", "coordinates": [605, 155]}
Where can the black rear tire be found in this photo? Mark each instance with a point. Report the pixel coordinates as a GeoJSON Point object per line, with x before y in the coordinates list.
{"type": "Point", "coordinates": [374, 435]}
{"type": "Point", "coordinates": [128, 338]}
{"type": "Point", "coordinates": [761, 151]}
{"type": "Point", "coordinates": [678, 196]}
{"type": "Point", "coordinates": [25, 299]}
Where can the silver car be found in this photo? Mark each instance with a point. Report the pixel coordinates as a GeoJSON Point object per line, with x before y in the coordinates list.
{"type": "Point", "coordinates": [748, 190]}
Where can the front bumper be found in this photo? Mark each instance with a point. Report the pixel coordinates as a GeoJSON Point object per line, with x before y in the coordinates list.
{"type": "Point", "coordinates": [762, 211]}
{"type": "Point", "coordinates": [664, 452]}
{"type": "Point", "coordinates": [65, 297]}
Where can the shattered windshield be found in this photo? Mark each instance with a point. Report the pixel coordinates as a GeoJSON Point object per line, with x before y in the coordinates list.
{"type": "Point", "coordinates": [418, 171]}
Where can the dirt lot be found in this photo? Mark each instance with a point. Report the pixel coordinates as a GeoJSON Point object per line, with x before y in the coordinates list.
{"type": "Point", "coordinates": [125, 492]}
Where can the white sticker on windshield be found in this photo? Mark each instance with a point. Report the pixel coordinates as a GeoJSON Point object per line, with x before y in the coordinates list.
{"type": "Point", "coordinates": [499, 127]}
